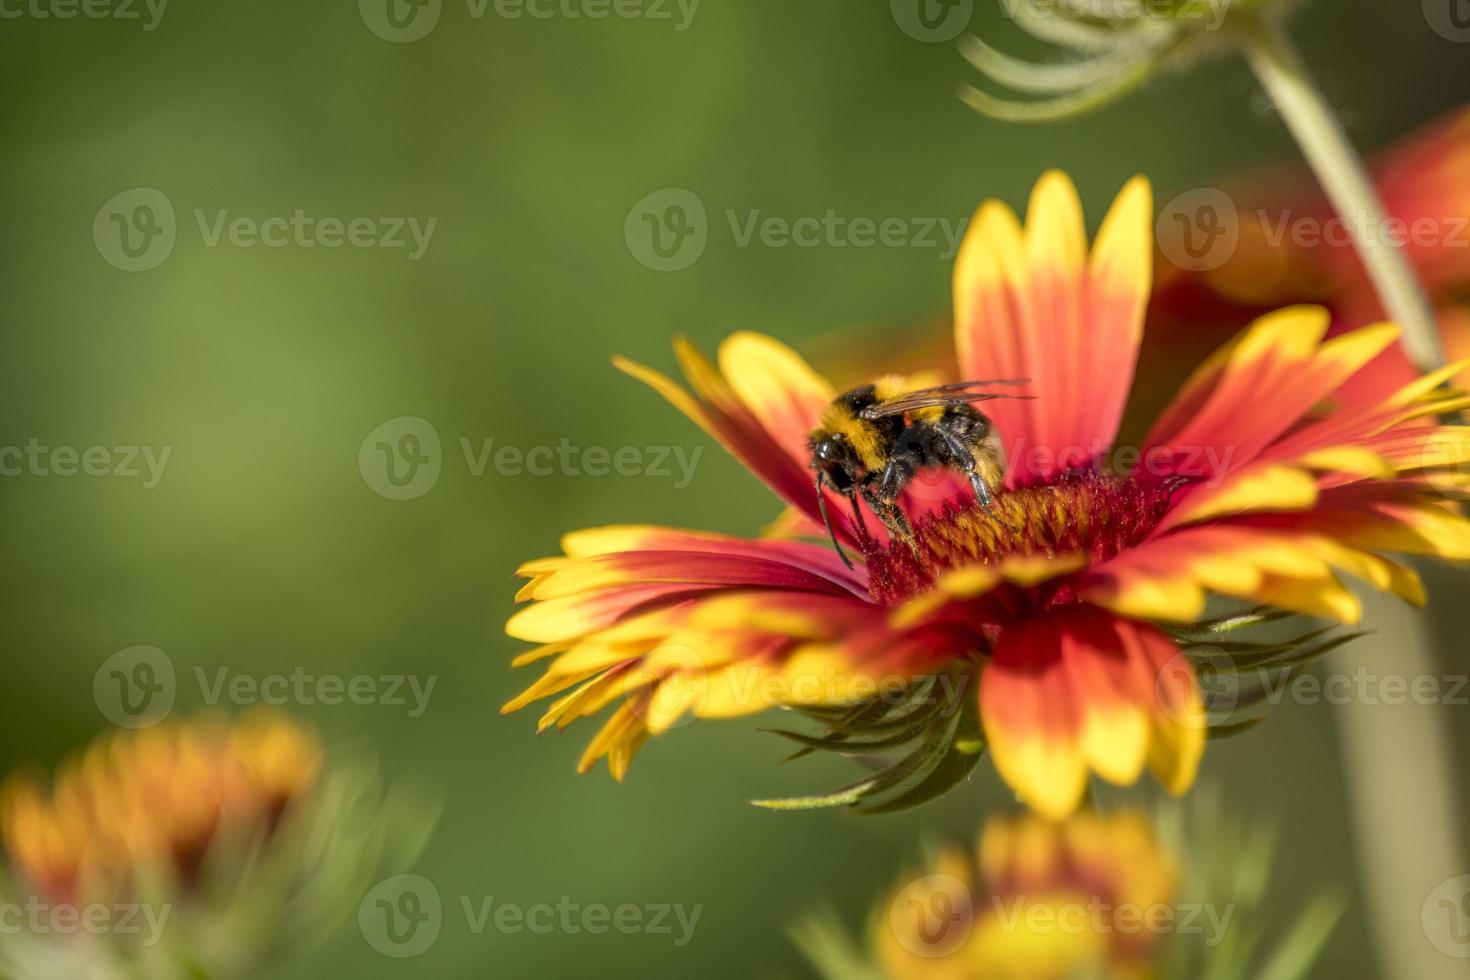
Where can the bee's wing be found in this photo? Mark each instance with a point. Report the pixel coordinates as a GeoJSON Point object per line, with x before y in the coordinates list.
{"type": "Point", "coordinates": [959, 391]}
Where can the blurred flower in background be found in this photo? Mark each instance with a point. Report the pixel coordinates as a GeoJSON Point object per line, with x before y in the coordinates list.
{"type": "Point", "coordinates": [1066, 609]}
{"type": "Point", "coordinates": [1280, 241]}
{"type": "Point", "coordinates": [193, 849]}
{"type": "Point", "coordinates": [1117, 896]}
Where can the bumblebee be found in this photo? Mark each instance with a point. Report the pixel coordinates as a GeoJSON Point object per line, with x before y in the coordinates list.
{"type": "Point", "coordinates": [872, 440]}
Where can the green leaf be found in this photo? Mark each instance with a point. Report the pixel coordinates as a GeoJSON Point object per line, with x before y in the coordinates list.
{"type": "Point", "coordinates": [1026, 76]}
{"type": "Point", "coordinates": [935, 743]}
{"type": "Point", "coordinates": [1296, 954]}
{"type": "Point", "coordinates": [1077, 103]}
{"type": "Point", "coordinates": [830, 950]}
{"type": "Point", "coordinates": [1234, 728]}
{"type": "Point", "coordinates": [966, 744]}
{"type": "Point", "coordinates": [846, 745]}
{"type": "Point", "coordinates": [846, 796]}
{"type": "Point", "coordinates": [1255, 616]}
{"type": "Point", "coordinates": [1064, 31]}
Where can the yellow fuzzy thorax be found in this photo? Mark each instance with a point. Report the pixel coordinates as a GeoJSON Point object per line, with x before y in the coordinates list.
{"type": "Point", "coordinates": [866, 438]}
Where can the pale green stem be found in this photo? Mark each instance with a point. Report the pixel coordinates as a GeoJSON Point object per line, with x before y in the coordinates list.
{"type": "Point", "coordinates": [1338, 166]}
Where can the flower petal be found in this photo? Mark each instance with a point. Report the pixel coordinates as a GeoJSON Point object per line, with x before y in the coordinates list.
{"type": "Point", "coordinates": [1028, 304]}
{"type": "Point", "coordinates": [715, 407]}
{"type": "Point", "coordinates": [781, 390]}
{"type": "Point", "coordinates": [1078, 689]}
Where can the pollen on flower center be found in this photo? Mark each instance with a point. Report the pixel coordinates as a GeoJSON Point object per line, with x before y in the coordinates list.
{"type": "Point", "coordinates": [1087, 514]}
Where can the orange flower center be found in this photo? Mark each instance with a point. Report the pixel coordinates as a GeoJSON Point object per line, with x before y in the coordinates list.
{"type": "Point", "coordinates": [1092, 515]}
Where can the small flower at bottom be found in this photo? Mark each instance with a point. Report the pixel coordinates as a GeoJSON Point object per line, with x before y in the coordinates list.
{"type": "Point", "coordinates": [1120, 896]}
{"type": "Point", "coordinates": [1057, 627]}
{"type": "Point", "coordinates": [197, 849]}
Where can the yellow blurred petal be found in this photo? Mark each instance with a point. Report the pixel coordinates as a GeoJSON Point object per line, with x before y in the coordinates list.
{"type": "Point", "coordinates": [1354, 460]}
{"type": "Point", "coordinates": [1048, 773]}
{"type": "Point", "coordinates": [1173, 599]}
{"type": "Point", "coordinates": [1115, 741]}
{"type": "Point", "coordinates": [1055, 235]}
{"type": "Point", "coordinates": [1324, 597]}
{"type": "Point", "coordinates": [1257, 488]}
{"type": "Point", "coordinates": [1123, 257]}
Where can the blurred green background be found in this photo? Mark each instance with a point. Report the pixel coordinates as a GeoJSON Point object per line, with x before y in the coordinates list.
{"type": "Point", "coordinates": [263, 548]}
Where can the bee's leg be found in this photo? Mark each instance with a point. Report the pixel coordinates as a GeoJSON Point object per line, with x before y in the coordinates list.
{"type": "Point", "coordinates": [965, 460]}
{"type": "Point", "coordinates": [888, 512]}
{"type": "Point", "coordinates": [883, 497]}
{"type": "Point", "coordinates": [981, 488]}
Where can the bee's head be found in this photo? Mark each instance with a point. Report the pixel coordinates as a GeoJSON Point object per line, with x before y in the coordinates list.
{"type": "Point", "coordinates": [833, 457]}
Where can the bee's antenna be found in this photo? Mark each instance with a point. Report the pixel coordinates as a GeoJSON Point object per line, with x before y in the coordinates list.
{"type": "Point", "coordinates": [822, 506]}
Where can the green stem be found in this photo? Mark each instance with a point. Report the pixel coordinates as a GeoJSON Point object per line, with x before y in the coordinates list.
{"type": "Point", "coordinates": [1338, 166]}
{"type": "Point", "coordinates": [1400, 778]}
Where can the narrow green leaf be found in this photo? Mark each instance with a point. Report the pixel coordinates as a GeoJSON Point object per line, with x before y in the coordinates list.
{"type": "Point", "coordinates": [1255, 616]}
{"type": "Point", "coordinates": [1296, 954]}
{"type": "Point", "coordinates": [1065, 31]}
{"type": "Point", "coordinates": [1078, 103]}
{"type": "Point", "coordinates": [846, 796]}
{"type": "Point", "coordinates": [953, 768]}
{"type": "Point", "coordinates": [847, 745]}
{"type": "Point", "coordinates": [1040, 79]}
{"type": "Point", "coordinates": [1234, 728]}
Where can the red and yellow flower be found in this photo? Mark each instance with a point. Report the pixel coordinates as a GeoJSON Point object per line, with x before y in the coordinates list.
{"type": "Point", "coordinates": [1250, 485]}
